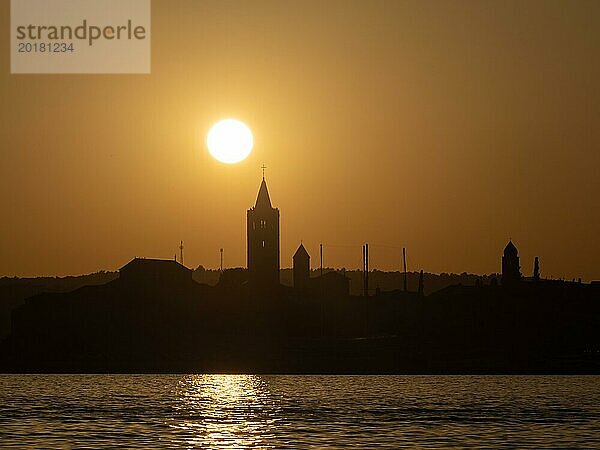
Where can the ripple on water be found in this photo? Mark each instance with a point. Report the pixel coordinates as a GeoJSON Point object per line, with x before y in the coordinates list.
{"type": "Point", "coordinates": [243, 411]}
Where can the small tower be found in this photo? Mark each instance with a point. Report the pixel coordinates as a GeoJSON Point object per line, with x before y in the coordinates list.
{"type": "Point", "coordinates": [301, 269]}
{"type": "Point", "coordinates": [536, 269]}
{"type": "Point", "coordinates": [511, 270]}
{"type": "Point", "coordinates": [263, 241]}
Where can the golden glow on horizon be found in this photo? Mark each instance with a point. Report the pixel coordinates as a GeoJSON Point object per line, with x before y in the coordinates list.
{"type": "Point", "coordinates": [230, 141]}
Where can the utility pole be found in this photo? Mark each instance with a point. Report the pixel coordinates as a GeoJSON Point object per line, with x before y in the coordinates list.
{"type": "Point", "coordinates": [365, 250]}
{"type": "Point", "coordinates": [367, 270]}
{"type": "Point", "coordinates": [221, 251]}
{"type": "Point", "coordinates": [364, 291]}
{"type": "Point", "coordinates": [322, 299]}
{"type": "Point", "coordinates": [321, 257]}
{"type": "Point", "coordinates": [404, 259]}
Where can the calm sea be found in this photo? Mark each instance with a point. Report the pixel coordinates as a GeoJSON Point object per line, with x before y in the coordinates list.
{"type": "Point", "coordinates": [242, 411]}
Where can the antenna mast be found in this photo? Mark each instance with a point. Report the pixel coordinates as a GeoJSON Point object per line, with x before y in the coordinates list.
{"type": "Point", "coordinates": [181, 253]}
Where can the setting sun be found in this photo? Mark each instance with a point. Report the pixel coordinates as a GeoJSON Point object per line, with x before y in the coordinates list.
{"type": "Point", "coordinates": [229, 141]}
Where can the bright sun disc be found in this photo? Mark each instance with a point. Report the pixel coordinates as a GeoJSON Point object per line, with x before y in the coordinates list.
{"type": "Point", "coordinates": [229, 141]}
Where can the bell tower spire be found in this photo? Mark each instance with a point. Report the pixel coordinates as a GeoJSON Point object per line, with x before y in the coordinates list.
{"type": "Point", "coordinates": [263, 240]}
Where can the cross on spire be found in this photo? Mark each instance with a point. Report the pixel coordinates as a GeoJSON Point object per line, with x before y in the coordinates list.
{"type": "Point", "coordinates": [263, 167]}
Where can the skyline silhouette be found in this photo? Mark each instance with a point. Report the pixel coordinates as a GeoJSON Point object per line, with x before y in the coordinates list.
{"type": "Point", "coordinates": [155, 317]}
{"type": "Point", "coordinates": [264, 259]}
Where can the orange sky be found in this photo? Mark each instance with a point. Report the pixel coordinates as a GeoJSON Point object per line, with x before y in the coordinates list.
{"type": "Point", "coordinates": [442, 126]}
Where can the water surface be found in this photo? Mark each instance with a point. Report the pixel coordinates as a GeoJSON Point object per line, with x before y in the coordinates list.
{"type": "Point", "coordinates": [249, 411]}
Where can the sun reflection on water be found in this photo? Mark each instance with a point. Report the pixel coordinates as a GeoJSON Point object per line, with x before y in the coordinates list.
{"type": "Point", "coordinates": [224, 411]}
{"type": "Point", "coordinates": [245, 411]}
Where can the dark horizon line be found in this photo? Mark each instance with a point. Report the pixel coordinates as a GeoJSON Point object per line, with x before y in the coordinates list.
{"type": "Point", "coordinates": [317, 269]}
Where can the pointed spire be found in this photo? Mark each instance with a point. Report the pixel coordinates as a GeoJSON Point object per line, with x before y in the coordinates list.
{"type": "Point", "coordinates": [510, 248]}
{"type": "Point", "coordinates": [263, 200]}
{"type": "Point", "coordinates": [301, 252]}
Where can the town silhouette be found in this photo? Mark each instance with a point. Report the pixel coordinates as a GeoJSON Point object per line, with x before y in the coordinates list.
{"type": "Point", "coordinates": [155, 316]}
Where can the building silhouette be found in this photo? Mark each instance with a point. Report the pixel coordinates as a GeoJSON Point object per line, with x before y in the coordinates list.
{"type": "Point", "coordinates": [301, 261]}
{"type": "Point", "coordinates": [150, 271]}
{"type": "Point", "coordinates": [263, 241]}
{"type": "Point", "coordinates": [511, 270]}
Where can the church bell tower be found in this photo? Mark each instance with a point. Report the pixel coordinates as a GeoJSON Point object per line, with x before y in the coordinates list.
{"type": "Point", "coordinates": [263, 241]}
